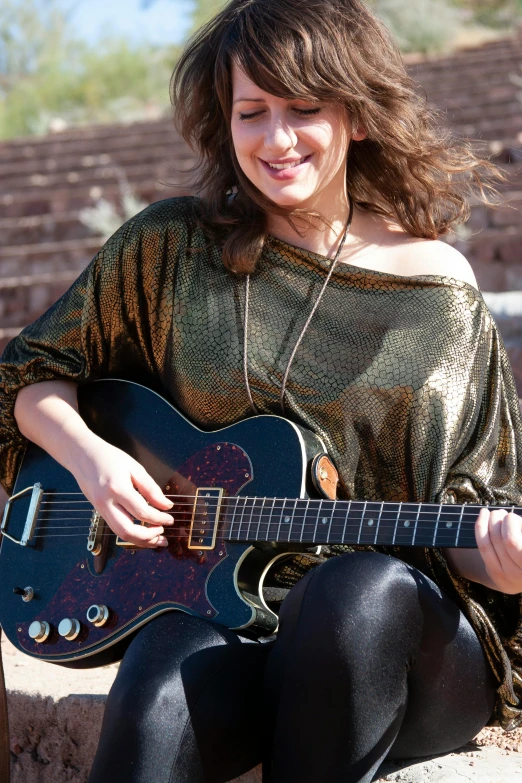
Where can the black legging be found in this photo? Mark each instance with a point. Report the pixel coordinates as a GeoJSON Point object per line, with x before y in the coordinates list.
{"type": "Point", "coordinates": [371, 660]}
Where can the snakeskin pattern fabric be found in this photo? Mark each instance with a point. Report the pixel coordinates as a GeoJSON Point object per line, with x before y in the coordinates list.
{"type": "Point", "coordinates": [406, 379]}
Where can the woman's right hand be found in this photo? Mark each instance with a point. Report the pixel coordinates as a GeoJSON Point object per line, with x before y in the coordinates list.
{"type": "Point", "coordinates": [121, 490]}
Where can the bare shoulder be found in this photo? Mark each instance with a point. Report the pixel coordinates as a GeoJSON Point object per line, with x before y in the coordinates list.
{"type": "Point", "coordinates": [435, 257]}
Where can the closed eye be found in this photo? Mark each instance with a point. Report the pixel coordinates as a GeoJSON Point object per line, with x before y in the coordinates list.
{"type": "Point", "coordinates": [301, 112]}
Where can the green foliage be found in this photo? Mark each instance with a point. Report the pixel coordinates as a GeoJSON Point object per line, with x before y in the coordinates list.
{"type": "Point", "coordinates": [205, 10]}
{"type": "Point", "coordinates": [426, 26]}
{"type": "Point", "coordinates": [48, 77]}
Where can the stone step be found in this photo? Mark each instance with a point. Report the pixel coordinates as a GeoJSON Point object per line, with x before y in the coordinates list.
{"type": "Point", "coordinates": [47, 257]}
{"type": "Point", "coordinates": [27, 173]}
{"type": "Point", "coordinates": [75, 196]}
{"type": "Point", "coordinates": [37, 229]}
{"type": "Point", "coordinates": [56, 713]}
{"type": "Point", "coordinates": [135, 171]}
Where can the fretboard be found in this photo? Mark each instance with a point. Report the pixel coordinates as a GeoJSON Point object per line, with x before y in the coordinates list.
{"type": "Point", "coordinates": [315, 521]}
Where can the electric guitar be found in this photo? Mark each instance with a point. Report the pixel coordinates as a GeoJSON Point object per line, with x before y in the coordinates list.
{"type": "Point", "coordinates": [245, 497]}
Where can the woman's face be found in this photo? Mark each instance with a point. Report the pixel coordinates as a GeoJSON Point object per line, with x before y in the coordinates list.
{"type": "Point", "coordinates": [293, 151]}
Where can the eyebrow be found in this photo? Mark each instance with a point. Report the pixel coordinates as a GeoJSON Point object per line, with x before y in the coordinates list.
{"type": "Point", "coordinates": [249, 100]}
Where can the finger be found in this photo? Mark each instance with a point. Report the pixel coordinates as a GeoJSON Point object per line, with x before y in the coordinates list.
{"type": "Point", "coordinates": [485, 545]}
{"type": "Point", "coordinates": [511, 531]}
{"type": "Point", "coordinates": [123, 525]}
{"type": "Point", "coordinates": [151, 491]}
{"type": "Point", "coordinates": [138, 508]}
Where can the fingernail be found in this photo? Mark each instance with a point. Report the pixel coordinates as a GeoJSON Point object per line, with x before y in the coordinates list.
{"type": "Point", "coordinates": [163, 541]}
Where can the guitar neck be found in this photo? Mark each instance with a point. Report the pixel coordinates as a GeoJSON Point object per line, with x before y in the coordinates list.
{"type": "Point", "coordinates": [351, 522]}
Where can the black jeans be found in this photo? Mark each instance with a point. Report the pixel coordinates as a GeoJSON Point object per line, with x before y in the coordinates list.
{"type": "Point", "coordinates": [371, 661]}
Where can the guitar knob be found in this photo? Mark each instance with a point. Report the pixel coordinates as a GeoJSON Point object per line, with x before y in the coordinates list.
{"type": "Point", "coordinates": [39, 630]}
{"type": "Point", "coordinates": [69, 628]}
{"type": "Point", "coordinates": [98, 614]}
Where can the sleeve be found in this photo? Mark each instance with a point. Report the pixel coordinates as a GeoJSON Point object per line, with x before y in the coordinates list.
{"type": "Point", "coordinates": [110, 323]}
{"type": "Point", "coordinates": [489, 472]}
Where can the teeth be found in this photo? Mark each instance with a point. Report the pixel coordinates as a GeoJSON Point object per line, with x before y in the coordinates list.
{"type": "Point", "coordinates": [286, 165]}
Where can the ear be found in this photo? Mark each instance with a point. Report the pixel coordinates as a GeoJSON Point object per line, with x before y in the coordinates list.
{"type": "Point", "coordinates": [358, 132]}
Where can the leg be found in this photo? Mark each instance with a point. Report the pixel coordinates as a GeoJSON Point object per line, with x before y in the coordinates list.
{"type": "Point", "coordinates": [371, 657]}
{"type": "Point", "coordinates": [184, 706]}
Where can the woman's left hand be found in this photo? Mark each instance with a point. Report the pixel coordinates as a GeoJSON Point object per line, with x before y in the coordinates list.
{"type": "Point", "coordinates": [499, 539]}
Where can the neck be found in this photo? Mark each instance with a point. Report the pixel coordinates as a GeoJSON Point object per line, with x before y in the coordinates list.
{"type": "Point", "coordinates": [322, 236]}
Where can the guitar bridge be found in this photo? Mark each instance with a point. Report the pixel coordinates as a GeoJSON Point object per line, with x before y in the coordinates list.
{"type": "Point", "coordinates": [205, 518]}
{"type": "Point", "coordinates": [94, 539]}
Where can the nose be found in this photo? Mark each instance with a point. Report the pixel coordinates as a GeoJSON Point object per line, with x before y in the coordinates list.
{"type": "Point", "coordinates": [280, 136]}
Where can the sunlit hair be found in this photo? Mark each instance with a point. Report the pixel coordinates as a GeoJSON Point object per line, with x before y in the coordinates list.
{"type": "Point", "coordinates": [409, 168]}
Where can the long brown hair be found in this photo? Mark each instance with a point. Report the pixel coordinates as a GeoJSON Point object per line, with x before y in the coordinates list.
{"type": "Point", "coordinates": [409, 168]}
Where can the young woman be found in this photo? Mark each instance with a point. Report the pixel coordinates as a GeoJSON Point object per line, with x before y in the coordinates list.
{"type": "Point", "coordinates": [306, 280]}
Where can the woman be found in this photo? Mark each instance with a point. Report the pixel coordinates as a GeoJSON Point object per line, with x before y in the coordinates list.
{"type": "Point", "coordinates": [306, 280]}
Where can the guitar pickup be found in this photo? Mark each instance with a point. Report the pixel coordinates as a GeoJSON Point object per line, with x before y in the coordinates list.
{"type": "Point", "coordinates": [205, 518]}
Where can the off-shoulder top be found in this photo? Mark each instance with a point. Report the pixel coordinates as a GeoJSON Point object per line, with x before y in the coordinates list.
{"type": "Point", "coordinates": [406, 379]}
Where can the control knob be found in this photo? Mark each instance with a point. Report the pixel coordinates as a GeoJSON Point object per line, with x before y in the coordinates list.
{"type": "Point", "coordinates": [69, 628]}
{"type": "Point", "coordinates": [98, 614]}
{"type": "Point", "coordinates": [39, 630]}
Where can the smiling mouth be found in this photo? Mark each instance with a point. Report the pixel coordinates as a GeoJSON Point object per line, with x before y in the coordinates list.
{"type": "Point", "coordinates": [290, 165]}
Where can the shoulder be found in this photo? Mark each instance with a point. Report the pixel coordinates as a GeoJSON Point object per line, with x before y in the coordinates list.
{"type": "Point", "coordinates": [435, 257]}
{"type": "Point", "coordinates": [170, 212]}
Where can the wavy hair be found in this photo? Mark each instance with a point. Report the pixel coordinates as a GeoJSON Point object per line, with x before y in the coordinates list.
{"type": "Point", "coordinates": [410, 167]}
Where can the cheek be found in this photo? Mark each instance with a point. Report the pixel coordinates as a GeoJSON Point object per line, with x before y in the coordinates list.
{"type": "Point", "coordinates": [243, 141]}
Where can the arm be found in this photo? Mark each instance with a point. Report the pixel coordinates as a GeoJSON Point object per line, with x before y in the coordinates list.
{"type": "Point", "coordinates": [118, 487]}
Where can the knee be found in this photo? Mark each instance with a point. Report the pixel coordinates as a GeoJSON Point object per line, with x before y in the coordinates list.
{"type": "Point", "coordinates": [140, 706]}
{"type": "Point", "coordinates": [364, 591]}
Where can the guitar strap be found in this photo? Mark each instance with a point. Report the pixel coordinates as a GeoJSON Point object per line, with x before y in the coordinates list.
{"type": "Point", "coordinates": [5, 750]}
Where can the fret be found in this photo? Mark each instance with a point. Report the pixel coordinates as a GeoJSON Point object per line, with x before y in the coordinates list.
{"type": "Point", "coordinates": [260, 520]}
{"type": "Point", "coordinates": [240, 534]}
{"type": "Point", "coordinates": [244, 499]}
{"type": "Point", "coordinates": [348, 509]}
{"type": "Point", "coordinates": [467, 537]}
{"type": "Point", "coordinates": [416, 523]}
{"type": "Point", "coordinates": [304, 519]}
{"type": "Point", "coordinates": [292, 519]}
{"type": "Point", "coordinates": [396, 523]}
{"type": "Point", "coordinates": [299, 521]}
{"type": "Point", "coordinates": [437, 525]}
{"type": "Point", "coordinates": [234, 513]}
{"type": "Point", "coordinates": [378, 523]}
{"type": "Point", "coordinates": [251, 515]}
{"type": "Point", "coordinates": [448, 526]}
{"type": "Point", "coordinates": [425, 530]}
{"type": "Point", "coordinates": [280, 520]}
{"type": "Point", "coordinates": [369, 522]}
{"type": "Point", "coordinates": [331, 521]}
{"type": "Point", "coordinates": [314, 539]}
{"type": "Point", "coordinates": [459, 523]}
{"type": "Point", "coordinates": [260, 517]}
{"type": "Point", "coordinates": [337, 524]}
{"type": "Point", "coordinates": [407, 514]}
{"type": "Point", "coordinates": [361, 523]}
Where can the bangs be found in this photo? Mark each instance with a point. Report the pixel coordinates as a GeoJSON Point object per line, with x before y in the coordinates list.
{"type": "Point", "coordinates": [281, 57]}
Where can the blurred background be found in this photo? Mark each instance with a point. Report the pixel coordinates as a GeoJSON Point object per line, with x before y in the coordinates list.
{"type": "Point", "coordinates": [86, 134]}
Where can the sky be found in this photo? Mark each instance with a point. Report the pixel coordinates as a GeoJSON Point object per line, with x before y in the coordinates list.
{"type": "Point", "coordinates": [165, 21]}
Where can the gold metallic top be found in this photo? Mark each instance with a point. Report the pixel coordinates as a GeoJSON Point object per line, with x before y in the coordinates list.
{"type": "Point", "coordinates": [406, 379]}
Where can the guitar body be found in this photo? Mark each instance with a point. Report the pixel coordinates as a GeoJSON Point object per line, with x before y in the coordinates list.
{"type": "Point", "coordinates": [264, 456]}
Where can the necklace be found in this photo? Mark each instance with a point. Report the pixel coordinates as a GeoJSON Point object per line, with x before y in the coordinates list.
{"type": "Point", "coordinates": [303, 330]}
